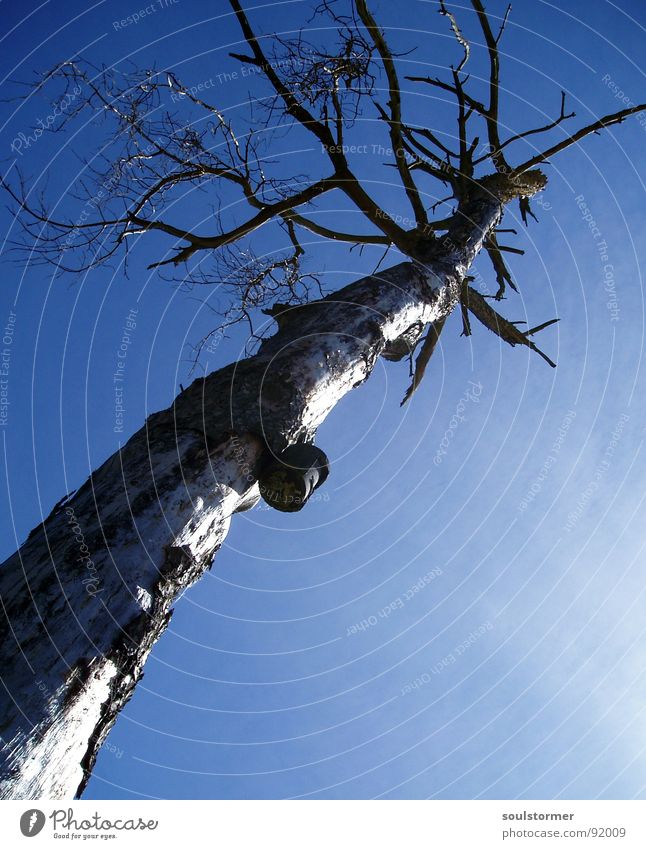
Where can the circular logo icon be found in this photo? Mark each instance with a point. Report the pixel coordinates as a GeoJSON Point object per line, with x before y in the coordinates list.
{"type": "Point", "coordinates": [32, 822]}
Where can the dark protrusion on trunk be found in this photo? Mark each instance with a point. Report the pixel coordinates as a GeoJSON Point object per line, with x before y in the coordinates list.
{"type": "Point", "coordinates": [404, 345]}
{"type": "Point", "coordinates": [290, 478]}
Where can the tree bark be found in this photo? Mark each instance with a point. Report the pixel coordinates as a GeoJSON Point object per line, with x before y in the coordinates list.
{"type": "Point", "coordinates": [87, 595]}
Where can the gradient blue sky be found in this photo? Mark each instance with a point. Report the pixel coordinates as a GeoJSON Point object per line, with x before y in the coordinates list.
{"type": "Point", "coordinates": [260, 688]}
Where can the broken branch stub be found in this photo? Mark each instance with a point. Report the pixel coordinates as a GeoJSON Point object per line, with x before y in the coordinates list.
{"type": "Point", "coordinates": [291, 477]}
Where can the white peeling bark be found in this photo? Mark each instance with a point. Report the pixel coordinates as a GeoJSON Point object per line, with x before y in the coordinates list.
{"type": "Point", "coordinates": [91, 590]}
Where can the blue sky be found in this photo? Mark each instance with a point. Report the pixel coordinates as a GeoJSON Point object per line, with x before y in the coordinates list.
{"type": "Point", "coordinates": [501, 583]}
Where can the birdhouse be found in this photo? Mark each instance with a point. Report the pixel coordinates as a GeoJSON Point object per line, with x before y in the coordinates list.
{"type": "Point", "coordinates": [290, 478]}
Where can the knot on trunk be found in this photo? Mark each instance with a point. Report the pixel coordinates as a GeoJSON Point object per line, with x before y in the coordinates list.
{"type": "Point", "coordinates": [510, 186]}
{"type": "Point", "coordinates": [404, 345]}
{"type": "Point", "coordinates": [290, 478]}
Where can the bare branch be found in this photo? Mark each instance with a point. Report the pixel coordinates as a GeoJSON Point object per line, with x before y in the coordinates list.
{"type": "Point", "coordinates": [474, 104]}
{"type": "Point", "coordinates": [503, 24]}
{"type": "Point", "coordinates": [267, 213]}
{"type": "Point", "coordinates": [542, 326]}
{"type": "Point", "coordinates": [491, 115]}
{"type": "Point", "coordinates": [428, 346]}
{"type": "Point", "coordinates": [458, 34]}
{"type": "Point", "coordinates": [562, 117]}
{"type": "Point", "coordinates": [466, 151]}
{"type": "Point", "coordinates": [411, 132]}
{"type": "Point", "coordinates": [506, 330]}
{"type": "Point", "coordinates": [525, 210]}
{"type": "Point", "coordinates": [395, 119]}
{"type": "Point", "coordinates": [347, 180]}
{"type": "Point", "coordinates": [503, 275]}
{"type": "Point", "coordinates": [601, 124]}
{"type": "Point", "coordinates": [335, 235]}
{"type": "Point", "coordinates": [294, 108]}
{"type": "Point", "coordinates": [443, 171]}
{"type": "Point", "coordinates": [155, 156]}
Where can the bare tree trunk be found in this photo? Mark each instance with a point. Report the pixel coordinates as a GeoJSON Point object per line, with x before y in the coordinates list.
{"type": "Point", "coordinates": [91, 590]}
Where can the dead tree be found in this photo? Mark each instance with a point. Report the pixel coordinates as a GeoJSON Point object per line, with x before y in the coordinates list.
{"type": "Point", "coordinates": [92, 588]}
